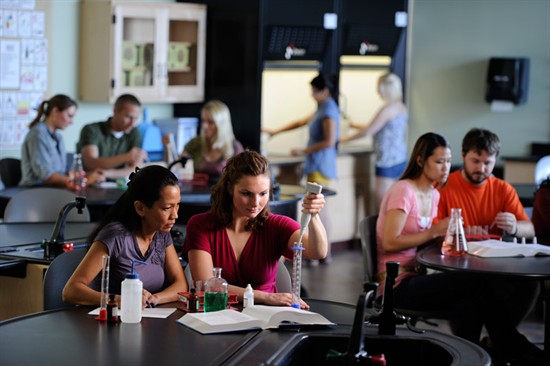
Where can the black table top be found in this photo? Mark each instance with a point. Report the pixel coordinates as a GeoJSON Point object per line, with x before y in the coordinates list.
{"type": "Point", "coordinates": [513, 267]}
{"type": "Point", "coordinates": [16, 234]}
{"type": "Point", "coordinates": [96, 195]}
{"type": "Point", "coordinates": [21, 243]}
{"type": "Point", "coordinates": [194, 199]}
{"type": "Point", "coordinates": [532, 267]}
{"type": "Point", "coordinates": [69, 337]}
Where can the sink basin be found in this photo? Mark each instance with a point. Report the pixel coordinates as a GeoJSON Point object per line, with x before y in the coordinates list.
{"type": "Point", "coordinates": [283, 348]}
{"type": "Point", "coordinates": [313, 350]}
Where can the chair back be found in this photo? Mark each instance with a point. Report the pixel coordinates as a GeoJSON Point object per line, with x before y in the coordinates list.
{"type": "Point", "coordinates": [42, 204]}
{"type": "Point", "coordinates": [284, 281]}
{"type": "Point", "coordinates": [367, 233]}
{"type": "Point", "coordinates": [542, 169]}
{"type": "Point", "coordinates": [57, 275]}
{"type": "Point", "coordinates": [10, 172]}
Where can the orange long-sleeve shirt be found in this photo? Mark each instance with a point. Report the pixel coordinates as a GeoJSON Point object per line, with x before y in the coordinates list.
{"type": "Point", "coordinates": [480, 204]}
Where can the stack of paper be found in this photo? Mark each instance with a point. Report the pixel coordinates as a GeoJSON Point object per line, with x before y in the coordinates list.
{"type": "Point", "coordinates": [497, 248]}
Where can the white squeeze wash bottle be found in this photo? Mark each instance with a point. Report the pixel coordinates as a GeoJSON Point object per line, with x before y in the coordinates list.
{"type": "Point", "coordinates": [131, 296]}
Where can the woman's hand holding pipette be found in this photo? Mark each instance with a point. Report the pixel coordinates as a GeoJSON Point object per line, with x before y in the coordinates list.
{"type": "Point", "coordinates": [313, 203]}
{"type": "Point", "coordinates": [315, 241]}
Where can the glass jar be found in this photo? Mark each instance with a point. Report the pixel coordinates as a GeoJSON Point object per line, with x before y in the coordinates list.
{"type": "Point", "coordinates": [215, 291]}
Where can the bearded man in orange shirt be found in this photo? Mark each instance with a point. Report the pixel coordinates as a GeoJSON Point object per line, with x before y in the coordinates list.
{"type": "Point", "coordinates": [488, 201]}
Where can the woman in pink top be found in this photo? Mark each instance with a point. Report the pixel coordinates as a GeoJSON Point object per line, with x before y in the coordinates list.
{"type": "Point", "coordinates": [241, 236]}
{"type": "Point", "coordinates": [406, 213]}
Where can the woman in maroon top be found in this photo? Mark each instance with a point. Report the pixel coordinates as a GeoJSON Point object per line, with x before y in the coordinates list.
{"type": "Point", "coordinates": [241, 236]}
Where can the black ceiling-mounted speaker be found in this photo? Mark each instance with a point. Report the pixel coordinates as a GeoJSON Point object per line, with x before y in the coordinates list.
{"type": "Point", "coordinates": [507, 80]}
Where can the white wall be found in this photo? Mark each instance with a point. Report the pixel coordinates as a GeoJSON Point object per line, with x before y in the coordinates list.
{"type": "Point", "coordinates": [451, 44]}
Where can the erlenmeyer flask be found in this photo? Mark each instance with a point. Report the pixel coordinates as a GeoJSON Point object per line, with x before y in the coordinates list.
{"type": "Point", "coordinates": [454, 243]}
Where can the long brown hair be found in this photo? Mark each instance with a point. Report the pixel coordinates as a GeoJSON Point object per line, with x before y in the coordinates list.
{"type": "Point", "coordinates": [247, 163]}
{"type": "Point", "coordinates": [59, 101]}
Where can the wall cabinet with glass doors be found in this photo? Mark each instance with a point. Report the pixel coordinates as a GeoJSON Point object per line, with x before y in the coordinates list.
{"type": "Point", "coordinates": [154, 51]}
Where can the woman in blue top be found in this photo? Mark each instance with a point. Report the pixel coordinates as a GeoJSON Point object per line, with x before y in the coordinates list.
{"type": "Point", "coordinates": [43, 155]}
{"type": "Point", "coordinates": [324, 129]}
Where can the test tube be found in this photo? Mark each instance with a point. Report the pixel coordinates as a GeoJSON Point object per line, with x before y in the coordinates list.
{"type": "Point", "coordinates": [296, 274]}
{"type": "Point", "coordinates": [104, 288]}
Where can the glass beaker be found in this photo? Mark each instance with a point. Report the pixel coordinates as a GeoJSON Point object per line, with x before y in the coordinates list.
{"type": "Point", "coordinates": [215, 291]}
{"type": "Point", "coordinates": [454, 243]}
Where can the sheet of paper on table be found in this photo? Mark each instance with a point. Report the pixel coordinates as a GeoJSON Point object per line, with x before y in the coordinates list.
{"type": "Point", "coordinates": [496, 248]}
{"type": "Point", "coordinates": [147, 312]}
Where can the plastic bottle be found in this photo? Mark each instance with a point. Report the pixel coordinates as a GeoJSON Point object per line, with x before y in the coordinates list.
{"type": "Point", "coordinates": [248, 297]}
{"type": "Point", "coordinates": [131, 298]}
{"type": "Point", "coordinates": [454, 243]}
{"type": "Point", "coordinates": [77, 176]}
{"type": "Point", "coordinates": [215, 291]}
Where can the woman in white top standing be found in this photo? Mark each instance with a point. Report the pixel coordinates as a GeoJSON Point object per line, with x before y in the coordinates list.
{"type": "Point", "coordinates": [389, 130]}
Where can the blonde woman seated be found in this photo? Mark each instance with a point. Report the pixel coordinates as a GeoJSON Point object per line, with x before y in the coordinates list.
{"type": "Point", "coordinates": [215, 144]}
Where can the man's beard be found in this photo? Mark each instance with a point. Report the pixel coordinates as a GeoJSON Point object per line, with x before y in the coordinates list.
{"type": "Point", "coordinates": [475, 178]}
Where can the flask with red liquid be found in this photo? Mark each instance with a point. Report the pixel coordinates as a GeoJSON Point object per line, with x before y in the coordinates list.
{"type": "Point", "coordinates": [454, 243]}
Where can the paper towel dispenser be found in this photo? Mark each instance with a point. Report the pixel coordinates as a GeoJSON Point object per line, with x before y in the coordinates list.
{"type": "Point", "coordinates": [507, 80]}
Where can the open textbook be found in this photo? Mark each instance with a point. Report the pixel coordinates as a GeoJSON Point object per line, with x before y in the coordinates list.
{"type": "Point", "coordinates": [253, 317]}
{"type": "Point", "coordinates": [497, 248]}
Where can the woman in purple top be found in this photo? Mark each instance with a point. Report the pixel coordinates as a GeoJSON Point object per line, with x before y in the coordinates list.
{"type": "Point", "coordinates": [137, 227]}
{"type": "Point", "coordinates": [241, 236]}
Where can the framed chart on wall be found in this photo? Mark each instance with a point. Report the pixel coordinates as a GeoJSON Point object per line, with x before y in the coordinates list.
{"type": "Point", "coordinates": [23, 69]}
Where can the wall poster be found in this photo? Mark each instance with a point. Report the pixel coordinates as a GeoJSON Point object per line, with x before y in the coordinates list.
{"type": "Point", "coordinates": [23, 69]}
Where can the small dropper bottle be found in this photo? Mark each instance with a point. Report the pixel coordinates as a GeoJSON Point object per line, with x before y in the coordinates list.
{"type": "Point", "coordinates": [248, 297]}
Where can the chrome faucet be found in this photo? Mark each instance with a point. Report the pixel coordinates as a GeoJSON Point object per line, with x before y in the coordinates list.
{"type": "Point", "coordinates": [55, 245]}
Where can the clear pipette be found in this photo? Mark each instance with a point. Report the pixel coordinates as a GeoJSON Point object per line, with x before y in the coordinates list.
{"type": "Point", "coordinates": [298, 248]}
{"type": "Point", "coordinates": [104, 288]}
